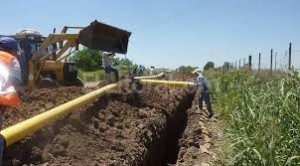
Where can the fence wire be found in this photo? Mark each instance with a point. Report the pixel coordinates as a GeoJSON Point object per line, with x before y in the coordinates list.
{"type": "Point", "coordinates": [280, 60]}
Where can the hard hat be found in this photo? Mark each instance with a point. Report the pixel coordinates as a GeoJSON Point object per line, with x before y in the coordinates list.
{"type": "Point", "coordinates": [196, 71]}
{"type": "Point", "coordinates": [8, 42]}
{"type": "Point", "coordinates": [109, 53]}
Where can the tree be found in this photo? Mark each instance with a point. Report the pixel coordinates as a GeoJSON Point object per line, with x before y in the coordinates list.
{"type": "Point", "coordinates": [186, 69]}
{"type": "Point", "coordinates": [226, 66]}
{"type": "Point", "coordinates": [123, 64]}
{"type": "Point", "coordinates": [91, 60]}
{"type": "Point", "coordinates": [88, 60]}
{"type": "Point", "coordinates": [209, 65]}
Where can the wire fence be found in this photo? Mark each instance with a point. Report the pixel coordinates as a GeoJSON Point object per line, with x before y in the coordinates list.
{"type": "Point", "coordinates": [281, 60]}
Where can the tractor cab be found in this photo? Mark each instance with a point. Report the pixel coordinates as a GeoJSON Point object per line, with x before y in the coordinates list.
{"type": "Point", "coordinates": [29, 43]}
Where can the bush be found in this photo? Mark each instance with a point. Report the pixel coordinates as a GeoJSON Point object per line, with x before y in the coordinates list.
{"type": "Point", "coordinates": [88, 60]}
{"type": "Point", "coordinates": [209, 65]}
{"type": "Point", "coordinates": [89, 63]}
{"type": "Point", "coordinates": [186, 69]}
{"type": "Point", "coordinates": [91, 76]}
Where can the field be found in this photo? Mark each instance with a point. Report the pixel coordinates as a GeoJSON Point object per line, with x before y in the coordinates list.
{"type": "Point", "coordinates": [262, 116]}
{"type": "Point", "coordinates": [256, 123]}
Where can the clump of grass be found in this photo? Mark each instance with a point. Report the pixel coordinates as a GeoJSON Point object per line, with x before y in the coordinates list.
{"type": "Point", "coordinates": [91, 76]}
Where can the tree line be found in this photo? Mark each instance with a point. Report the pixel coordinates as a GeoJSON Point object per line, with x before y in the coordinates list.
{"type": "Point", "coordinates": [91, 60]}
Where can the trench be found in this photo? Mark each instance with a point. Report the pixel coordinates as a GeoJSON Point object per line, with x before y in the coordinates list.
{"type": "Point", "coordinates": [157, 143]}
{"type": "Point", "coordinates": [176, 124]}
{"type": "Point", "coordinates": [164, 148]}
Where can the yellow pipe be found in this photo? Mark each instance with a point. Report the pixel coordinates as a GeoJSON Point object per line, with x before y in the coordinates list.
{"type": "Point", "coordinates": [17, 132]}
{"type": "Point", "coordinates": [160, 75]}
{"type": "Point", "coordinates": [180, 84]}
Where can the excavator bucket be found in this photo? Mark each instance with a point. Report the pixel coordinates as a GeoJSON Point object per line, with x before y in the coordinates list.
{"type": "Point", "coordinates": [102, 37]}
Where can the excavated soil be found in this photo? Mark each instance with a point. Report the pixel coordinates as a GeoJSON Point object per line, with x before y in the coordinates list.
{"type": "Point", "coordinates": [180, 76]}
{"type": "Point", "coordinates": [200, 140]}
{"type": "Point", "coordinates": [157, 126]}
{"type": "Point", "coordinates": [118, 129]}
{"type": "Point", "coordinates": [40, 100]}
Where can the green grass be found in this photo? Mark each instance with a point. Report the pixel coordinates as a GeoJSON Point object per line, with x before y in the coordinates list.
{"type": "Point", "coordinates": [262, 117]}
{"type": "Point", "coordinates": [91, 76]}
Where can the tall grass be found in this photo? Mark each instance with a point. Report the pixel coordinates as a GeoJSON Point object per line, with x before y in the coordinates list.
{"type": "Point", "coordinates": [263, 117]}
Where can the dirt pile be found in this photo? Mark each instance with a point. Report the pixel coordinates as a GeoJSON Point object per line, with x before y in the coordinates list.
{"type": "Point", "coordinates": [180, 76]}
{"type": "Point", "coordinates": [40, 100]}
{"type": "Point", "coordinates": [197, 144]}
{"type": "Point", "coordinates": [118, 129]}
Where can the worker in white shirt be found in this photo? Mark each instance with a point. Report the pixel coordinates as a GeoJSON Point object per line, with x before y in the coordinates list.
{"type": "Point", "coordinates": [152, 72]}
{"type": "Point", "coordinates": [202, 83]}
{"type": "Point", "coordinates": [108, 68]}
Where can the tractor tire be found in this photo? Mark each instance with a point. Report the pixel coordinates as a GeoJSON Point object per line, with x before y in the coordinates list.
{"type": "Point", "coordinates": [47, 83]}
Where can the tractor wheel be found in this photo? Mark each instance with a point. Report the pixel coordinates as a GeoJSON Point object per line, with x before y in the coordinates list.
{"type": "Point", "coordinates": [47, 83]}
{"type": "Point", "coordinates": [78, 82]}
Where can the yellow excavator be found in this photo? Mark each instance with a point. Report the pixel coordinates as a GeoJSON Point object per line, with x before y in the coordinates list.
{"type": "Point", "coordinates": [44, 60]}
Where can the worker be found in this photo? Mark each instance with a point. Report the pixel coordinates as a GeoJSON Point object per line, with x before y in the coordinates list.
{"type": "Point", "coordinates": [140, 70]}
{"type": "Point", "coordinates": [134, 70]}
{"type": "Point", "coordinates": [202, 83]}
{"type": "Point", "coordinates": [152, 72]}
{"type": "Point", "coordinates": [10, 75]}
{"type": "Point", "coordinates": [108, 68]}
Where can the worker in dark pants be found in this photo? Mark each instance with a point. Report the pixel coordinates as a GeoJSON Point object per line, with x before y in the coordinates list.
{"type": "Point", "coordinates": [140, 70]}
{"type": "Point", "coordinates": [202, 83]}
{"type": "Point", "coordinates": [106, 62]}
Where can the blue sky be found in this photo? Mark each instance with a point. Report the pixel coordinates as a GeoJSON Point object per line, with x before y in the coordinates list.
{"type": "Point", "coordinates": [170, 33]}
